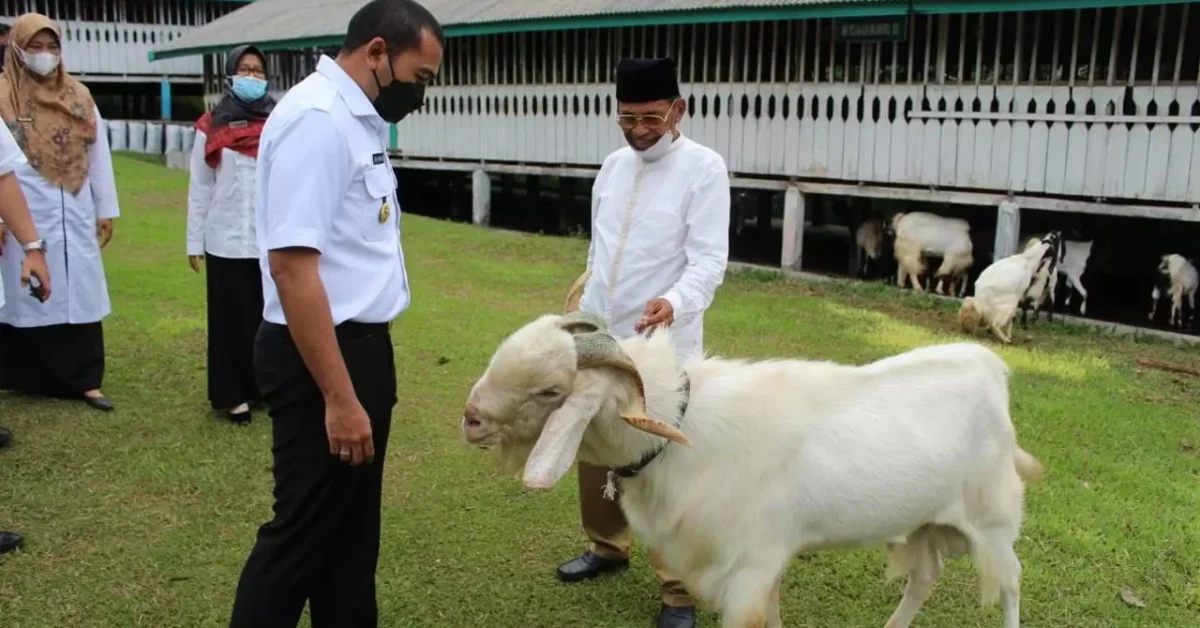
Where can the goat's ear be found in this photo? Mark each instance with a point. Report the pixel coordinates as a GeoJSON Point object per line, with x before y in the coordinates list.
{"type": "Point", "coordinates": [556, 447]}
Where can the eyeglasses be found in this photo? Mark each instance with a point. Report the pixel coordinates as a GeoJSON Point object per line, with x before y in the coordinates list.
{"type": "Point", "coordinates": [652, 120]}
{"type": "Point", "coordinates": [259, 72]}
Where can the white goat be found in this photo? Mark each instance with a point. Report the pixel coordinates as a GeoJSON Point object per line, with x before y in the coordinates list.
{"type": "Point", "coordinates": [745, 465]}
{"type": "Point", "coordinates": [1177, 276]}
{"type": "Point", "coordinates": [999, 290]}
{"type": "Point", "coordinates": [919, 233]}
{"type": "Point", "coordinates": [1073, 265]}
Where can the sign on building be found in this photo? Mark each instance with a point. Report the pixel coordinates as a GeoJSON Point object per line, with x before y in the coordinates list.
{"type": "Point", "coordinates": [871, 29]}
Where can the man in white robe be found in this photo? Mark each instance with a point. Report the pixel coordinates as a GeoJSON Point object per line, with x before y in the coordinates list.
{"type": "Point", "coordinates": [659, 249]}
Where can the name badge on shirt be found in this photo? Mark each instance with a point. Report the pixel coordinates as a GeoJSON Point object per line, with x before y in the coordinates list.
{"type": "Point", "coordinates": [238, 124]}
{"type": "Point", "coordinates": [384, 211]}
{"type": "Point", "coordinates": [377, 158]}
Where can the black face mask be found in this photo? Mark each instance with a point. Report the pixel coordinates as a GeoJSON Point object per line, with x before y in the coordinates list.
{"type": "Point", "coordinates": [399, 99]}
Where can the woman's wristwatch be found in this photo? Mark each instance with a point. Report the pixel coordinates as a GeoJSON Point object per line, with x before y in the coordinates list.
{"type": "Point", "coordinates": [35, 245]}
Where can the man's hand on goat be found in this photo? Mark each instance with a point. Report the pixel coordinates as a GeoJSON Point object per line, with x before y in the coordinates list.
{"type": "Point", "coordinates": [658, 312]}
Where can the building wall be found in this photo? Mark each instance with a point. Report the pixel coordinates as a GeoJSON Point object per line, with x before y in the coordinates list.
{"type": "Point", "coordinates": [1094, 104]}
{"type": "Point", "coordinates": [110, 40]}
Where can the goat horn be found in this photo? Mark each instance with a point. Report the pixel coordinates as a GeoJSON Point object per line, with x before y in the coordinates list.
{"type": "Point", "coordinates": [575, 292]}
{"type": "Point", "coordinates": [582, 322]}
{"type": "Point", "coordinates": [600, 350]}
{"type": "Point", "coordinates": [658, 428]}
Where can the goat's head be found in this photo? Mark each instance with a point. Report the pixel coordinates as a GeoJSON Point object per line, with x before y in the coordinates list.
{"type": "Point", "coordinates": [1164, 265]}
{"type": "Point", "coordinates": [543, 386]}
{"type": "Point", "coordinates": [889, 227]}
{"type": "Point", "coordinates": [1055, 247]}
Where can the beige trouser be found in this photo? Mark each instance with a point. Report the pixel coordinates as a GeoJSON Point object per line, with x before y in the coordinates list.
{"type": "Point", "coordinates": [606, 527]}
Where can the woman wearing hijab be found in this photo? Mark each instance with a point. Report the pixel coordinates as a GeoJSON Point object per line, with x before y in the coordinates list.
{"type": "Point", "coordinates": [56, 348]}
{"type": "Point", "coordinates": [221, 229]}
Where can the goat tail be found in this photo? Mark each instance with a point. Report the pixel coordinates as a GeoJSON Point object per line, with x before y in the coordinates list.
{"type": "Point", "coordinates": [1029, 468]}
{"type": "Point", "coordinates": [969, 315]}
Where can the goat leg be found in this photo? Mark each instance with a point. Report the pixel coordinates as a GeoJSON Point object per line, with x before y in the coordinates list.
{"type": "Point", "coordinates": [774, 619]}
{"type": "Point", "coordinates": [1000, 333]}
{"type": "Point", "coordinates": [925, 567]}
{"type": "Point", "coordinates": [751, 611]}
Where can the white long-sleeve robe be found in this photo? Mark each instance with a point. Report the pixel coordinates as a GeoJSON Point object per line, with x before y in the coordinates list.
{"type": "Point", "coordinates": [79, 289]}
{"type": "Point", "coordinates": [659, 229]}
{"type": "Point", "coordinates": [221, 204]}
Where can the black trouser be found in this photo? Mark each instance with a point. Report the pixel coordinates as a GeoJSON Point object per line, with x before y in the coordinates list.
{"type": "Point", "coordinates": [235, 305]}
{"type": "Point", "coordinates": [64, 360]}
{"type": "Point", "coordinates": [323, 544]}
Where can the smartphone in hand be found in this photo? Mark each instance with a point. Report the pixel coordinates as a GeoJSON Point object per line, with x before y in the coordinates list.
{"type": "Point", "coordinates": [35, 289]}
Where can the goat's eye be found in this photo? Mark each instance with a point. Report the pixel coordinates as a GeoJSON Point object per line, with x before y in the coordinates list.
{"type": "Point", "coordinates": [548, 393]}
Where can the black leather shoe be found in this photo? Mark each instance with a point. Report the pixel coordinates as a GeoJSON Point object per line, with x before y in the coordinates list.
{"type": "Point", "coordinates": [99, 403]}
{"type": "Point", "coordinates": [240, 418]}
{"type": "Point", "coordinates": [5, 437]}
{"type": "Point", "coordinates": [10, 541]}
{"type": "Point", "coordinates": [588, 565]}
{"type": "Point", "coordinates": [677, 617]}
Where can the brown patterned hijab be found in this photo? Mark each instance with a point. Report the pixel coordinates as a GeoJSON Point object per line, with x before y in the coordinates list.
{"type": "Point", "coordinates": [52, 118]}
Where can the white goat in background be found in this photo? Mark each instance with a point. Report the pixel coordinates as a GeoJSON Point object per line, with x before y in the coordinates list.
{"type": "Point", "coordinates": [921, 233]}
{"type": "Point", "coordinates": [1000, 289]}
{"type": "Point", "coordinates": [1177, 276]}
{"type": "Point", "coordinates": [731, 468]}
{"type": "Point", "coordinates": [1073, 265]}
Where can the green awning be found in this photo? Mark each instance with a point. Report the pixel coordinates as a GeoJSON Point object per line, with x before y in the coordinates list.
{"type": "Point", "coordinates": [294, 24]}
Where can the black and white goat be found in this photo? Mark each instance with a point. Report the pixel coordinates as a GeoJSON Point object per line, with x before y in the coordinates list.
{"type": "Point", "coordinates": [1045, 278]}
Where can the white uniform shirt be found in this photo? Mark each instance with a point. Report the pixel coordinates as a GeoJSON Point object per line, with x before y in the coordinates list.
{"type": "Point", "coordinates": [221, 204]}
{"type": "Point", "coordinates": [325, 182]}
{"type": "Point", "coordinates": [68, 225]}
{"type": "Point", "coordinates": [10, 157]}
{"type": "Point", "coordinates": [659, 229]}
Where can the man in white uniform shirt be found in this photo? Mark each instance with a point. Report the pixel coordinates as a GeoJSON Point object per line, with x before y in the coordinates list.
{"type": "Point", "coordinates": [14, 212]}
{"type": "Point", "coordinates": [659, 248]}
{"type": "Point", "coordinates": [333, 280]}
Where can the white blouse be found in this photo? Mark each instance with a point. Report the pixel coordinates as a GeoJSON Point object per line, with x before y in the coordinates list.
{"type": "Point", "coordinates": [68, 225]}
{"type": "Point", "coordinates": [221, 204]}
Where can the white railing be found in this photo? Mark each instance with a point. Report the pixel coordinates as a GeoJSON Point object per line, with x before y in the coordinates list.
{"type": "Point", "coordinates": [940, 136]}
{"type": "Point", "coordinates": [120, 49]}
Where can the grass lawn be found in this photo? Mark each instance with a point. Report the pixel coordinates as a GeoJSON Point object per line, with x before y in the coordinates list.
{"type": "Point", "coordinates": [144, 516]}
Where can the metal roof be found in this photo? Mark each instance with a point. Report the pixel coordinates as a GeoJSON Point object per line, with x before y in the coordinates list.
{"type": "Point", "coordinates": [279, 24]}
{"type": "Point", "coordinates": [283, 24]}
